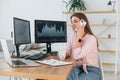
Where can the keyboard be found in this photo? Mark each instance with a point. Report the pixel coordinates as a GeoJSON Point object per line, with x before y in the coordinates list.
{"type": "Point", "coordinates": [38, 56]}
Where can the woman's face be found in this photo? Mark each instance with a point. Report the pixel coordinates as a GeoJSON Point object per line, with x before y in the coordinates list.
{"type": "Point", "coordinates": [74, 22]}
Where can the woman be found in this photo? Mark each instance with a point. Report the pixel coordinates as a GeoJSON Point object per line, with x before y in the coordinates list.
{"type": "Point", "coordinates": [83, 47]}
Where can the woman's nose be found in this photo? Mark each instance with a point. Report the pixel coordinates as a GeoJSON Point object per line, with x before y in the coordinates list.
{"type": "Point", "coordinates": [72, 25]}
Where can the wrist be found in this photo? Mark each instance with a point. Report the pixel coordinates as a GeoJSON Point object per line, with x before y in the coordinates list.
{"type": "Point", "coordinates": [79, 40]}
{"type": "Point", "coordinates": [78, 43]}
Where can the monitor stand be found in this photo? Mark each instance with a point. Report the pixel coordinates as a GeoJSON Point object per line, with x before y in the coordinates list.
{"type": "Point", "coordinates": [52, 53]}
{"type": "Point", "coordinates": [48, 45]}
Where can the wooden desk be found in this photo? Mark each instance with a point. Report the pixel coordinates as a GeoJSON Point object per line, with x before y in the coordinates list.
{"type": "Point", "coordinates": [41, 72]}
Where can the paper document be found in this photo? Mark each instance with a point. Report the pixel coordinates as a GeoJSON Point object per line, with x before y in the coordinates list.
{"type": "Point", "coordinates": [53, 62]}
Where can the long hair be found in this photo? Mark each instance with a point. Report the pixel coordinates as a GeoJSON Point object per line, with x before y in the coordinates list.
{"type": "Point", "coordinates": [87, 27]}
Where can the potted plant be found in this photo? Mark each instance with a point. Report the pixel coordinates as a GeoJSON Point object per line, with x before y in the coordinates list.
{"type": "Point", "coordinates": [74, 5]}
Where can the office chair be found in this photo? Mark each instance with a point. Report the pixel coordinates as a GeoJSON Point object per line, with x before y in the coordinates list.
{"type": "Point", "coordinates": [101, 67]}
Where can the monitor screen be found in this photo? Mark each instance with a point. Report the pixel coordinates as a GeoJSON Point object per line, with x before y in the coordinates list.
{"type": "Point", "coordinates": [21, 33]}
{"type": "Point", "coordinates": [48, 31]}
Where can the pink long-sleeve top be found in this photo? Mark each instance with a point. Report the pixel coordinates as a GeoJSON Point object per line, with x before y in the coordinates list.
{"type": "Point", "coordinates": [88, 49]}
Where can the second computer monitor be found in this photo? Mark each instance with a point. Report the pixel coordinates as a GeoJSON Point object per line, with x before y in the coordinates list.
{"type": "Point", "coordinates": [21, 33]}
{"type": "Point", "coordinates": [48, 31]}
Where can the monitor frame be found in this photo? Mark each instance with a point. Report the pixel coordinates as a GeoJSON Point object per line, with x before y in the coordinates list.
{"type": "Point", "coordinates": [47, 41]}
{"type": "Point", "coordinates": [15, 36]}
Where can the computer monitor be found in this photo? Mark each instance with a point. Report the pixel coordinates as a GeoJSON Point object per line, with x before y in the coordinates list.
{"type": "Point", "coordinates": [21, 33]}
{"type": "Point", "coordinates": [48, 31]}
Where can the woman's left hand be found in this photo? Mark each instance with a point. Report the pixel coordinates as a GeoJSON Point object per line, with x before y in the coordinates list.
{"type": "Point", "coordinates": [84, 64]}
{"type": "Point", "coordinates": [85, 68]}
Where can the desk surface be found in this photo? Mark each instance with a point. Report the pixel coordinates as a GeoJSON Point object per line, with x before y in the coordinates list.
{"type": "Point", "coordinates": [40, 72]}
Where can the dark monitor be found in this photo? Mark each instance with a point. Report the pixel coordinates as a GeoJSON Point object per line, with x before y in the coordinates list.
{"type": "Point", "coordinates": [21, 33]}
{"type": "Point", "coordinates": [47, 31]}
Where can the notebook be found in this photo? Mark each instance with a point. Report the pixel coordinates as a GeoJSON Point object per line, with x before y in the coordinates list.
{"type": "Point", "coordinates": [54, 62]}
{"type": "Point", "coordinates": [15, 63]}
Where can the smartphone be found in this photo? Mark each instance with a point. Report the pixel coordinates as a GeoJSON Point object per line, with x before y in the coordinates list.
{"type": "Point", "coordinates": [83, 22]}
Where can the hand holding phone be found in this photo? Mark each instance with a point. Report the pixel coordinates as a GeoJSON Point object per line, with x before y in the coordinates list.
{"type": "Point", "coordinates": [83, 23]}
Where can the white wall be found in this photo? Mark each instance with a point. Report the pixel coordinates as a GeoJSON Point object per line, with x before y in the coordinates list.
{"type": "Point", "coordinates": [29, 10]}
{"type": "Point", "coordinates": [36, 9]}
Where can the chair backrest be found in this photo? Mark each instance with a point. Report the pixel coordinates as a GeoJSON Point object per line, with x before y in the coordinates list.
{"type": "Point", "coordinates": [6, 51]}
{"type": "Point", "coordinates": [101, 67]}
